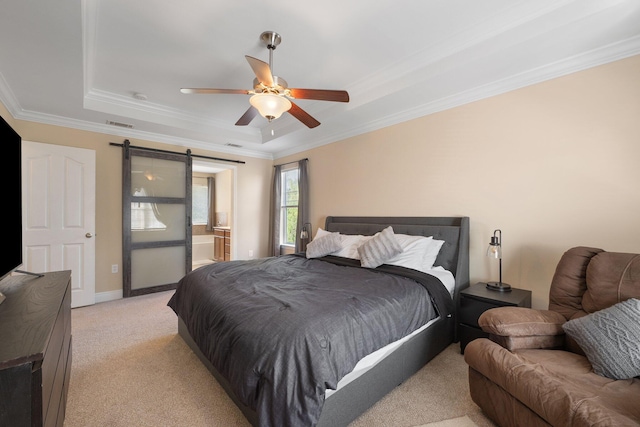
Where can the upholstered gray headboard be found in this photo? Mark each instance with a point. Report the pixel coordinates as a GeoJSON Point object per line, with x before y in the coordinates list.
{"type": "Point", "coordinates": [454, 254]}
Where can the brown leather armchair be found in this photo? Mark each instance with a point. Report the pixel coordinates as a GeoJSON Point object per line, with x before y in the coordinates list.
{"type": "Point", "coordinates": [530, 373]}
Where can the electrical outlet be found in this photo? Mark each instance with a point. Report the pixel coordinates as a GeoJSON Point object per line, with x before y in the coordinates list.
{"type": "Point", "coordinates": [114, 268]}
{"type": "Point", "coordinates": [250, 253]}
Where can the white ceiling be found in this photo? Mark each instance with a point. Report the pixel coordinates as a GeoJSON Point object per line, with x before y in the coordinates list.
{"type": "Point", "coordinates": [79, 63]}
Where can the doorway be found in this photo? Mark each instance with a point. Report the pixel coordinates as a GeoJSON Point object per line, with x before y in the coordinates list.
{"type": "Point", "coordinates": [213, 212]}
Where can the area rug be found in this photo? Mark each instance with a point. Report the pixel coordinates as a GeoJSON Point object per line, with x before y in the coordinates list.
{"type": "Point", "coordinates": [454, 422]}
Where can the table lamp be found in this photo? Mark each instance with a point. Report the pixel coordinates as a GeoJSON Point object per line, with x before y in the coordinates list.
{"type": "Point", "coordinates": [495, 251]}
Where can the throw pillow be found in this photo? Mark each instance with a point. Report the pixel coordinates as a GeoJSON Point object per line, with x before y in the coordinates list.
{"type": "Point", "coordinates": [350, 245]}
{"type": "Point", "coordinates": [610, 339]}
{"type": "Point", "coordinates": [324, 245]}
{"type": "Point", "coordinates": [381, 247]}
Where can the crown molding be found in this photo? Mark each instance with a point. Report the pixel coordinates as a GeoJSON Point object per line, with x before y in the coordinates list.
{"type": "Point", "coordinates": [54, 120]}
{"type": "Point", "coordinates": [8, 98]}
{"type": "Point", "coordinates": [594, 58]}
{"type": "Point", "coordinates": [597, 57]}
{"type": "Point", "coordinates": [110, 103]}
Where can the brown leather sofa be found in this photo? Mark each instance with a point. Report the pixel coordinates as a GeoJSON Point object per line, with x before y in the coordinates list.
{"type": "Point", "coordinates": [531, 373]}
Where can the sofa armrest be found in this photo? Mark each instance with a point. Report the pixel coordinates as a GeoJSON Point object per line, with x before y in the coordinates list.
{"type": "Point", "coordinates": [519, 327]}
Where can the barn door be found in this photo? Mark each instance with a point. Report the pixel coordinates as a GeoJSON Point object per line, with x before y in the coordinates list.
{"type": "Point", "coordinates": [156, 212]}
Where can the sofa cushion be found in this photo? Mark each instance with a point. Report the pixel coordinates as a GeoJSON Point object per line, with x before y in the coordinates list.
{"type": "Point", "coordinates": [519, 327]}
{"type": "Point", "coordinates": [570, 281]}
{"type": "Point", "coordinates": [611, 277]}
{"type": "Point", "coordinates": [611, 339]}
{"type": "Point", "coordinates": [521, 322]}
{"type": "Point", "coordinates": [559, 386]}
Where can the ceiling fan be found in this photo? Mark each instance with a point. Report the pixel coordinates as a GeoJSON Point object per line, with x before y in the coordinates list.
{"type": "Point", "coordinates": [270, 96]}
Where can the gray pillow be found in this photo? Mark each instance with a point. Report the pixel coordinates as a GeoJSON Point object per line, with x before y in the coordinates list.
{"type": "Point", "coordinates": [610, 338]}
{"type": "Point", "coordinates": [324, 245]}
{"type": "Point", "coordinates": [380, 248]}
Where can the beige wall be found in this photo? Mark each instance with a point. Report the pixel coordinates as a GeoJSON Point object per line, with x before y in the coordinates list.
{"type": "Point", "coordinates": [554, 165]}
{"type": "Point", "coordinates": [253, 181]}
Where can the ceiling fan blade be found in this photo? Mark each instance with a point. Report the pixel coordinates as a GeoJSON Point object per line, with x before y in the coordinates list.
{"type": "Point", "coordinates": [303, 116]}
{"type": "Point", "coordinates": [210, 91]}
{"type": "Point", "coordinates": [320, 94]}
{"type": "Point", "coordinates": [247, 116]}
{"type": "Point", "coordinates": [261, 70]}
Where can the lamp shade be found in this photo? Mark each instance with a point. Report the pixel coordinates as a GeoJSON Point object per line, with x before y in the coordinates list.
{"type": "Point", "coordinates": [269, 105]}
{"type": "Point", "coordinates": [305, 232]}
{"type": "Point", "coordinates": [495, 251]}
{"type": "Point", "coordinates": [495, 248]}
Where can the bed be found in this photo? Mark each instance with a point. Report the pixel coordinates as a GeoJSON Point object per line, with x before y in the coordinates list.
{"type": "Point", "coordinates": [238, 317]}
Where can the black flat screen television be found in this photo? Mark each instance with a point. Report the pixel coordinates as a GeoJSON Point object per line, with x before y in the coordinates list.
{"type": "Point", "coordinates": [11, 257]}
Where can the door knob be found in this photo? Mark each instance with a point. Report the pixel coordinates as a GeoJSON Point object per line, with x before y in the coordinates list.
{"type": "Point", "coordinates": [88, 235]}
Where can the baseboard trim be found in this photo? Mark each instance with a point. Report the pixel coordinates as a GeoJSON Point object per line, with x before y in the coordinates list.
{"type": "Point", "coordinates": [108, 296]}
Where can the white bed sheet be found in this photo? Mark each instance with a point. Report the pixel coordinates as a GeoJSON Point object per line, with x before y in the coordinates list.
{"type": "Point", "coordinates": [369, 361]}
{"type": "Point", "coordinates": [373, 359]}
{"type": "Point", "coordinates": [446, 277]}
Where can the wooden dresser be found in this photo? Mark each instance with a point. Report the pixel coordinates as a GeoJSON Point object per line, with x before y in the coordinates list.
{"type": "Point", "coordinates": [222, 239]}
{"type": "Point", "coordinates": [35, 349]}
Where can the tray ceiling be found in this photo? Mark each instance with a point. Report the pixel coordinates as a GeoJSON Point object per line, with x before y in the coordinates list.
{"type": "Point", "coordinates": [84, 64]}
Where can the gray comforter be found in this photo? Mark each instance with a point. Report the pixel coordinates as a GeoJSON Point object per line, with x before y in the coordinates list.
{"type": "Point", "coordinates": [282, 330]}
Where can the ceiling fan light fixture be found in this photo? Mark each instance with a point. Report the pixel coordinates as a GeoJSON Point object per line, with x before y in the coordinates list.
{"type": "Point", "coordinates": [269, 105]}
{"type": "Point", "coordinates": [270, 93]}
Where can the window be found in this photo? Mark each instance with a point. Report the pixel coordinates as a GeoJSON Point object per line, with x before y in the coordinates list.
{"type": "Point", "coordinates": [289, 209]}
{"type": "Point", "coordinates": [200, 201]}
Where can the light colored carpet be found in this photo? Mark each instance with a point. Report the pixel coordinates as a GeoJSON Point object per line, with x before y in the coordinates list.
{"type": "Point", "coordinates": [131, 368]}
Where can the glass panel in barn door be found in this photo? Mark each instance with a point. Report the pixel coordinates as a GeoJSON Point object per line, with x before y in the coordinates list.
{"type": "Point", "coordinates": [157, 223]}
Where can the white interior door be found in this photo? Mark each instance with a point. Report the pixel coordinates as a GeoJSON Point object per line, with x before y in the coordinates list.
{"type": "Point", "coordinates": [58, 186]}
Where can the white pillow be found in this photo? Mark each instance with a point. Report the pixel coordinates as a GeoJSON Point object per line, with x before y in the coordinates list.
{"type": "Point", "coordinates": [432, 253]}
{"type": "Point", "coordinates": [322, 232]}
{"type": "Point", "coordinates": [418, 252]}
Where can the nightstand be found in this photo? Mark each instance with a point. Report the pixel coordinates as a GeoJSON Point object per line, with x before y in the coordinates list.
{"type": "Point", "coordinates": [477, 299]}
